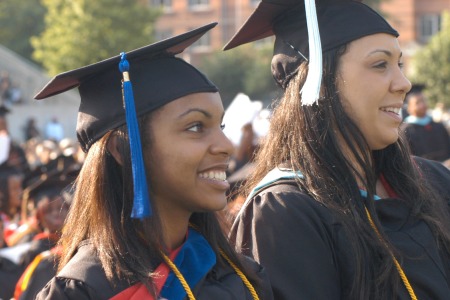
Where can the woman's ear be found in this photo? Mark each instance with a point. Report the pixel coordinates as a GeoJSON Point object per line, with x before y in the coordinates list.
{"type": "Point", "coordinates": [112, 146]}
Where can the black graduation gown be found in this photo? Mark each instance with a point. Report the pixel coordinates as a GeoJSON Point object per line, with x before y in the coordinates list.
{"type": "Point", "coordinates": [9, 274]}
{"type": "Point", "coordinates": [39, 245]}
{"type": "Point", "coordinates": [305, 251]}
{"type": "Point", "coordinates": [44, 271]}
{"type": "Point", "coordinates": [431, 141]}
{"type": "Point", "coordinates": [83, 278]}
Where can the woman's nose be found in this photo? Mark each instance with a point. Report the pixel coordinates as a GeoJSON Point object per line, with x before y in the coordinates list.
{"type": "Point", "coordinates": [401, 83]}
{"type": "Point", "coordinates": [222, 145]}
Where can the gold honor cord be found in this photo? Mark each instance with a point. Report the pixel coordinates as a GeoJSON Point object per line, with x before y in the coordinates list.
{"type": "Point", "coordinates": [180, 277]}
{"type": "Point", "coordinates": [188, 290]}
{"type": "Point", "coordinates": [241, 275]}
{"type": "Point", "coordinates": [397, 265]}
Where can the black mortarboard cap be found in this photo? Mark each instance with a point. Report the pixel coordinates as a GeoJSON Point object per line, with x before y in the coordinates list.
{"type": "Point", "coordinates": [108, 100]}
{"type": "Point", "coordinates": [49, 179]}
{"type": "Point", "coordinates": [158, 78]}
{"type": "Point", "coordinates": [339, 22]}
{"type": "Point", "coordinates": [63, 165]}
{"type": "Point", "coordinates": [47, 185]}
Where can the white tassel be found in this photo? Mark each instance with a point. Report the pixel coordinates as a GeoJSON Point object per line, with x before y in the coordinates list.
{"type": "Point", "coordinates": [311, 89]}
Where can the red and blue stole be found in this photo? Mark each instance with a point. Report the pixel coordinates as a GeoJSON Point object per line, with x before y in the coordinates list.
{"type": "Point", "coordinates": [194, 259]}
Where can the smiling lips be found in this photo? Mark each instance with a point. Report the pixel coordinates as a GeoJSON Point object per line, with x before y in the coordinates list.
{"type": "Point", "coordinates": [214, 175]}
{"type": "Point", "coordinates": [395, 110]}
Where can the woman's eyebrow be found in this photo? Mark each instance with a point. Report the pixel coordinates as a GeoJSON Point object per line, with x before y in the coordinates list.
{"type": "Point", "coordinates": [204, 112]}
{"type": "Point", "coordinates": [387, 52]}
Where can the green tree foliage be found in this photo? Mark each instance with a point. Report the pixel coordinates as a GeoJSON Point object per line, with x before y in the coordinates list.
{"type": "Point", "coordinates": [431, 65]}
{"type": "Point", "coordinates": [81, 32]}
{"type": "Point", "coordinates": [19, 21]}
{"type": "Point", "coordinates": [244, 69]}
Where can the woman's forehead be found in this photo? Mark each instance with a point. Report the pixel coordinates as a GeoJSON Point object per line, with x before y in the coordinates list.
{"type": "Point", "coordinates": [374, 44]}
{"type": "Point", "coordinates": [206, 103]}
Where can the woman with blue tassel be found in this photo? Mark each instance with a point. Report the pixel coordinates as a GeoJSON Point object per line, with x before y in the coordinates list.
{"type": "Point", "coordinates": [335, 185]}
{"type": "Point", "coordinates": [143, 223]}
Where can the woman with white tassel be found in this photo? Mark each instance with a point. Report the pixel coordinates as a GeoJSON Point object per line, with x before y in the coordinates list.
{"type": "Point", "coordinates": [337, 207]}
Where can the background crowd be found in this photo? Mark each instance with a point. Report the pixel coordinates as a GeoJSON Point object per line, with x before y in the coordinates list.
{"type": "Point", "coordinates": [36, 176]}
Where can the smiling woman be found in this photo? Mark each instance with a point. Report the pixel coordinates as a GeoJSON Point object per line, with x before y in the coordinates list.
{"type": "Point", "coordinates": [188, 159]}
{"type": "Point", "coordinates": [335, 186]}
{"type": "Point", "coordinates": [372, 87]}
{"type": "Point", "coordinates": [143, 222]}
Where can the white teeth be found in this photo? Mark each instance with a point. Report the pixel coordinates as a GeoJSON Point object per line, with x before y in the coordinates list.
{"type": "Point", "coordinates": [215, 175]}
{"type": "Point", "coordinates": [391, 109]}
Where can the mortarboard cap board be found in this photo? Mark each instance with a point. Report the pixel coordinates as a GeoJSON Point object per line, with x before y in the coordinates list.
{"type": "Point", "coordinates": [46, 186]}
{"type": "Point", "coordinates": [108, 100]}
{"type": "Point", "coordinates": [157, 76]}
{"type": "Point", "coordinates": [63, 165]}
{"type": "Point", "coordinates": [338, 21]}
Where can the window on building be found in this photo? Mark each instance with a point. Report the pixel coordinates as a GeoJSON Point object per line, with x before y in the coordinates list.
{"type": "Point", "coordinates": [429, 25]}
{"type": "Point", "coordinates": [165, 4]}
{"type": "Point", "coordinates": [198, 4]}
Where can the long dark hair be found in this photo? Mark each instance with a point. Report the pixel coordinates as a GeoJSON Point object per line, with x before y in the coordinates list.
{"type": "Point", "coordinates": [128, 249]}
{"type": "Point", "coordinates": [308, 138]}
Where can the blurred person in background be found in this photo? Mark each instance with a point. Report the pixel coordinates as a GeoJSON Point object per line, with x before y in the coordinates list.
{"type": "Point", "coordinates": [427, 138]}
{"type": "Point", "coordinates": [54, 130]}
{"type": "Point", "coordinates": [46, 151]}
{"type": "Point", "coordinates": [10, 202]}
{"type": "Point", "coordinates": [9, 271]}
{"type": "Point", "coordinates": [30, 130]}
{"type": "Point", "coordinates": [48, 202]}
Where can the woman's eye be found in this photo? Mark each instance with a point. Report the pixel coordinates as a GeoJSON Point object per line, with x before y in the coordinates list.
{"type": "Point", "coordinates": [400, 65]}
{"type": "Point", "coordinates": [197, 127]}
{"type": "Point", "coordinates": [222, 126]}
{"type": "Point", "coordinates": [381, 65]}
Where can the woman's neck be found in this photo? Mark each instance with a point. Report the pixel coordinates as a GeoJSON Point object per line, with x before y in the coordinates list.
{"type": "Point", "coordinates": [361, 180]}
{"type": "Point", "coordinates": [358, 171]}
{"type": "Point", "coordinates": [175, 227]}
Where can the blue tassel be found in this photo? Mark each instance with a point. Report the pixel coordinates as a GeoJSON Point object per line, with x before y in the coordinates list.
{"type": "Point", "coordinates": [141, 204]}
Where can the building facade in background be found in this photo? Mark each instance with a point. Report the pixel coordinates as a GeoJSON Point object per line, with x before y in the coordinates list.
{"type": "Point", "coordinates": [179, 16]}
{"type": "Point", "coordinates": [416, 20]}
